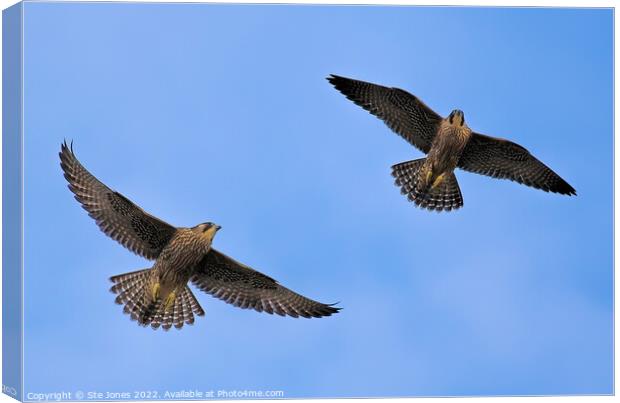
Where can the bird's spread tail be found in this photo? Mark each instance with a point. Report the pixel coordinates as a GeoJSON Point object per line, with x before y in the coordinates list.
{"type": "Point", "coordinates": [444, 195]}
{"type": "Point", "coordinates": [132, 291]}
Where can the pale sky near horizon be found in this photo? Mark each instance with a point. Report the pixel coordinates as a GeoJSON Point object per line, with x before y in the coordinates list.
{"type": "Point", "coordinates": [222, 113]}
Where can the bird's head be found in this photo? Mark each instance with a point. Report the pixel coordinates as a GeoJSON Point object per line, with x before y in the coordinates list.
{"type": "Point", "coordinates": [457, 118]}
{"type": "Point", "coordinates": [207, 230]}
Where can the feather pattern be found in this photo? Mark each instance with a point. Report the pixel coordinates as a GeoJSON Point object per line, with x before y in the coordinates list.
{"type": "Point", "coordinates": [115, 215]}
{"type": "Point", "coordinates": [503, 159]}
{"type": "Point", "coordinates": [401, 111]}
{"type": "Point", "coordinates": [409, 117]}
{"type": "Point", "coordinates": [160, 296]}
{"type": "Point", "coordinates": [444, 197]}
{"type": "Point", "coordinates": [130, 288]}
{"type": "Point", "coordinates": [243, 287]}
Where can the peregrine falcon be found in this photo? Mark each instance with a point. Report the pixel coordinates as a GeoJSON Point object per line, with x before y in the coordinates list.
{"type": "Point", "coordinates": [160, 296]}
{"type": "Point", "coordinates": [449, 143]}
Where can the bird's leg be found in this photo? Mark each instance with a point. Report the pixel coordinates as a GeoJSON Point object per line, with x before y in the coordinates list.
{"type": "Point", "coordinates": [169, 301]}
{"type": "Point", "coordinates": [438, 181]}
{"type": "Point", "coordinates": [429, 175]}
{"type": "Point", "coordinates": [155, 291]}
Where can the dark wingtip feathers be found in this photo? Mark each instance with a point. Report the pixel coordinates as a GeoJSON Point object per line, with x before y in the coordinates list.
{"type": "Point", "coordinates": [323, 310]}
{"type": "Point", "coordinates": [339, 82]}
{"type": "Point", "coordinates": [332, 78]}
{"type": "Point", "coordinates": [565, 189]}
{"type": "Point", "coordinates": [327, 310]}
{"type": "Point", "coordinates": [332, 308]}
{"type": "Point", "coordinates": [67, 160]}
{"type": "Point", "coordinates": [66, 148]}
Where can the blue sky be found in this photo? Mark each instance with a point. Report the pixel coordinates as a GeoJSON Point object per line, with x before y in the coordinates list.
{"type": "Point", "coordinates": [222, 113]}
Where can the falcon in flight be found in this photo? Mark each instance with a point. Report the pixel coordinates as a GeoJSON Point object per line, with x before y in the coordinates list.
{"type": "Point", "coordinates": [449, 143]}
{"type": "Point", "coordinates": [160, 296]}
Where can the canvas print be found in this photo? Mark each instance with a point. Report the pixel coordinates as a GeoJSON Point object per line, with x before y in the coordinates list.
{"type": "Point", "coordinates": [215, 201]}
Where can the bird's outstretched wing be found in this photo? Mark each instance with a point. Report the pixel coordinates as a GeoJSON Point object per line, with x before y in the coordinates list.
{"type": "Point", "coordinates": [115, 215]}
{"type": "Point", "coordinates": [504, 159]}
{"type": "Point", "coordinates": [401, 111]}
{"type": "Point", "coordinates": [243, 287]}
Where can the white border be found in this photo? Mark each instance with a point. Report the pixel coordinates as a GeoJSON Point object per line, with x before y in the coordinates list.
{"type": "Point", "coordinates": [483, 3]}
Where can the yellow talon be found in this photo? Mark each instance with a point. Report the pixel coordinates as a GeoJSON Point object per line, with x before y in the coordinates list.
{"type": "Point", "coordinates": [169, 301]}
{"type": "Point", "coordinates": [429, 175]}
{"type": "Point", "coordinates": [155, 291]}
{"type": "Point", "coordinates": [438, 181]}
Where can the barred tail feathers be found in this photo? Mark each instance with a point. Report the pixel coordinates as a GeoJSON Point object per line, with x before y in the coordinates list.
{"type": "Point", "coordinates": [131, 289]}
{"type": "Point", "coordinates": [446, 196]}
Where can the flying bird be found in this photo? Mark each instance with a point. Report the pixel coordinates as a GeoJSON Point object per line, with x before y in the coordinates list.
{"type": "Point", "coordinates": [449, 143]}
{"type": "Point", "coordinates": [160, 296]}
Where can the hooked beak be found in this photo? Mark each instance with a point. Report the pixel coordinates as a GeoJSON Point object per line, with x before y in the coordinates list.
{"type": "Point", "coordinates": [213, 228]}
